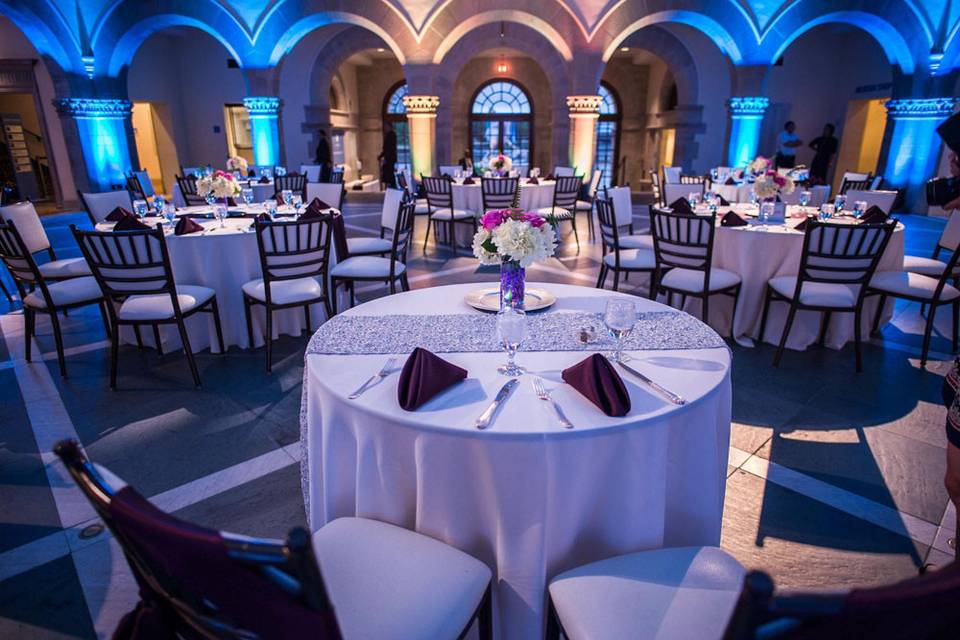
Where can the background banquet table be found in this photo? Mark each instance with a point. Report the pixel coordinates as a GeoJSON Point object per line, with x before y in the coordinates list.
{"type": "Point", "coordinates": [532, 196]}
{"type": "Point", "coordinates": [741, 193]}
{"type": "Point", "coordinates": [222, 259]}
{"type": "Point", "coordinates": [526, 497]}
{"type": "Point", "coordinates": [261, 192]}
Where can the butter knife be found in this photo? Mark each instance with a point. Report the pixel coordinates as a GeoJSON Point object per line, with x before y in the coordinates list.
{"type": "Point", "coordinates": [487, 416]}
{"type": "Point", "coordinates": [666, 393]}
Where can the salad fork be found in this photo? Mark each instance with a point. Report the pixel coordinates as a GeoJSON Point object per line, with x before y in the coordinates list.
{"type": "Point", "coordinates": [544, 395]}
{"type": "Point", "coordinates": [380, 375]}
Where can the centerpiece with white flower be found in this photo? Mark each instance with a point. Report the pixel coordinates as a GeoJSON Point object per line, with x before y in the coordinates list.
{"type": "Point", "coordinates": [220, 185]}
{"type": "Point", "coordinates": [513, 239]}
{"type": "Point", "coordinates": [500, 164]}
{"type": "Point", "coordinates": [237, 163]}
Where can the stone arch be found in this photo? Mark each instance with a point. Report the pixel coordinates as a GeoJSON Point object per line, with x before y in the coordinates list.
{"type": "Point", "coordinates": [951, 51]}
{"type": "Point", "coordinates": [343, 44]}
{"type": "Point", "coordinates": [45, 28]}
{"type": "Point", "coordinates": [459, 33]}
{"type": "Point", "coordinates": [671, 49]}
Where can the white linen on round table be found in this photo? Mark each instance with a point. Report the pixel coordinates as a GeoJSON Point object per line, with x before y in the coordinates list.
{"type": "Point", "coordinates": [741, 193]}
{"type": "Point", "coordinates": [526, 497]}
{"type": "Point", "coordinates": [261, 192]}
{"type": "Point", "coordinates": [532, 196]}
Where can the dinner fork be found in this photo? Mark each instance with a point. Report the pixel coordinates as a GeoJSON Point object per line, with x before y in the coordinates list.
{"type": "Point", "coordinates": [380, 375]}
{"type": "Point", "coordinates": [544, 395]}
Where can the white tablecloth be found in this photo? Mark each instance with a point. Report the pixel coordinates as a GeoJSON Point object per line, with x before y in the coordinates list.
{"type": "Point", "coordinates": [222, 259]}
{"type": "Point", "coordinates": [741, 193]}
{"type": "Point", "coordinates": [526, 497]}
{"type": "Point", "coordinates": [532, 196]}
{"type": "Point", "coordinates": [261, 192]}
{"type": "Point", "coordinates": [756, 256]}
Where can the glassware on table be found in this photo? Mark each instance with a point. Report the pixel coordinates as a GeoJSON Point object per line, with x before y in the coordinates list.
{"type": "Point", "coordinates": [766, 212]}
{"type": "Point", "coordinates": [270, 208]}
{"type": "Point", "coordinates": [170, 213]}
{"type": "Point", "coordinates": [297, 202]}
{"type": "Point", "coordinates": [859, 208]}
{"type": "Point", "coordinates": [281, 171]}
{"type": "Point", "coordinates": [220, 212]}
{"type": "Point", "coordinates": [805, 198]}
{"type": "Point", "coordinates": [247, 195]}
{"type": "Point", "coordinates": [714, 174]}
{"type": "Point", "coordinates": [694, 198]}
{"type": "Point", "coordinates": [753, 196]}
{"type": "Point", "coordinates": [140, 208]}
{"type": "Point", "coordinates": [287, 195]}
{"type": "Point", "coordinates": [826, 211]}
{"type": "Point", "coordinates": [839, 202]}
{"type": "Point", "coordinates": [620, 316]}
{"type": "Point", "coordinates": [158, 204]}
{"type": "Point", "coordinates": [511, 332]}
{"type": "Point", "coordinates": [210, 199]}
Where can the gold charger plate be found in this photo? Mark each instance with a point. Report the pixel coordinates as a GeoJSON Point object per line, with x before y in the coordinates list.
{"type": "Point", "coordinates": [488, 299]}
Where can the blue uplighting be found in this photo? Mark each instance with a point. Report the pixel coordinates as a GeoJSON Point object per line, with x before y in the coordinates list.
{"type": "Point", "coordinates": [102, 128]}
{"type": "Point", "coordinates": [913, 140]}
{"type": "Point", "coordinates": [746, 118]}
{"type": "Point", "coordinates": [264, 129]}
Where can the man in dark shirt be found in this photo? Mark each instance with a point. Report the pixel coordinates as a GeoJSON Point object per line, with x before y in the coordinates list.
{"type": "Point", "coordinates": [388, 157]}
{"type": "Point", "coordinates": [824, 148]}
{"type": "Point", "coordinates": [324, 157]}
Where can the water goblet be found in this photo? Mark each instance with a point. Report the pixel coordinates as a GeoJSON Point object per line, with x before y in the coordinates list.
{"type": "Point", "coordinates": [170, 213]}
{"type": "Point", "coordinates": [805, 198]}
{"type": "Point", "coordinates": [620, 316]}
{"type": "Point", "coordinates": [714, 174]}
{"type": "Point", "coordinates": [270, 208]}
{"type": "Point", "coordinates": [826, 211]}
{"type": "Point", "coordinates": [287, 196]}
{"type": "Point", "coordinates": [158, 204]}
{"type": "Point", "coordinates": [859, 208]}
{"type": "Point", "coordinates": [693, 198]}
{"type": "Point", "coordinates": [839, 202]}
{"type": "Point", "coordinates": [220, 213]}
{"type": "Point", "coordinates": [753, 196]}
{"type": "Point", "coordinates": [297, 202]}
{"type": "Point", "coordinates": [281, 171]}
{"type": "Point", "coordinates": [247, 195]}
{"type": "Point", "coordinates": [210, 199]}
{"type": "Point", "coordinates": [140, 208]}
{"type": "Point", "coordinates": [766, 212]}
{"type": "Point", "coordinates": [511, 331]}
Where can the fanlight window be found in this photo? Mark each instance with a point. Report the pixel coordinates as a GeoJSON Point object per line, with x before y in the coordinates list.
{"type": "Point", "coordinates": [501, 121]}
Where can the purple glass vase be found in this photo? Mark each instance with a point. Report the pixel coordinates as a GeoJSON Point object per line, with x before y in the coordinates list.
{"type": "Point", "coordinates": [512, 280]}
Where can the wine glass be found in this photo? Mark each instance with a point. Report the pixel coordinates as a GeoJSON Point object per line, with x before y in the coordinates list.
{"type": "Point", "coordinates": [620, 316]}
{"type": "Point", "coordinates": [210, 199]}
{"type": "Point", "coordinates": [220, 213]}
{"type": "Point", "coordinates": [766, 212]}
{"type": "Point", "coordinates": [297, 202]}
{"type": "Point", "coordinates": [270, 208]}
{"type": "Point", "coordinates": [859, 208]}
{"type": "Point", "coordinates": [753, 196]}
{"type": "Point", "coordinates": [247, 195]}
{"type": "Point", "coordinates": [693, 198]}
{"type": "Point", "coordinates": [826, 211]}
{"type": "Point", "coordinates": [170, 213]}
{"type": "Point", "coordinates": [805, 198]}
{"type": "Point", "coordinates": [511, 331]}
{"type": "Point", "coordinates": [287, 196]}
{"type": "Point", "coordinates": [839, 202]}
{"type": "Point", "coordinates": [140, 208]}
{"type": "Point", "coordinates": [158, 204]}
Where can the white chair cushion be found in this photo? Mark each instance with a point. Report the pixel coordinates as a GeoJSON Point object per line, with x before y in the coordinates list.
{"type": "Point", "coordinates": [159, 306]}
{"type": "Point", "coordinates": [284, 291]}
{"type": "Point", "coordinates": [456, 214]}
{"type": "Point", "coordinates": [365, 267]}
{"type": "Point", "coordinates": [817, 294]}
{"type": "Point", "coordinates": [420, 207]}
{"type": "Point", "coordinates": [632, 259]}
{"type": "Point", "coordinates": [66, 268]}
{"type": "Point", "coordinates": [692, 281]}
{"type": "Point", "coordinates": [388, 582]}
{"type": "Point", "coordinates": [66, 292]}
{"type": "Point", "coordinates": [926, 266]}
{"type": "Point", "coordinates": [637, 241]}
{"type": "Point", "coordinates": [687, 592]}
{"type": "Point", "coordinates": [361, 246]}
{"type": "Point", "coordinates": [557, 212]}
{"type": "Point", "coordinates": [915, 285]}
{"type": "Point", "coordinates": [584, 205]}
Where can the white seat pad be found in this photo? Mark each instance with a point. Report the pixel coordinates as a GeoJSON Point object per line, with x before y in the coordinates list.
{"type": "Point", "coordinates": [66, 292]}
{"type": "Point", "coordinates": [584, 205]}
{"type": "Point", "coordinates": [915, 285]}
{"type": "Point", "coordinates": [361, 246]}
{"type": "Point", "coordinates": [818, 294]}
{"type": "Point", "coordinates": [686, 592]}
{"type": "Point", "coordinates": [284, 291]}
{"type": "Point", "coordinates": [557, 212]}
{"type": "Point", "coordinates": [365, 267]}
{"type": "Point", "coordinates": [66, 268]}
{"type": "Point", "coordinates": [926, 266]}
{"type": "Point", "coordinates": [632, 259]}
{"type": "Point", "coordinates": [387, 582]}
{"type": "Point", "coordinates": [456, 214]}
{"type": "Point", "coordinates": [159, 306]}
{"type": "Point", "coordinates": [692, 281]}
{"type": "Point", "coordinates": [636, 241]}
{"type": "Point", "coordinates": [420, 207]}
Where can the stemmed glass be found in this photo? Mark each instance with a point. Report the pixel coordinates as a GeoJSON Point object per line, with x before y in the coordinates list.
{"type": "Point", "coordinates": [140, 208]}
{"type": "Point", "coordinates": [805, 198]}
{"type": "Point", "coordinates": [270, 208]}
{"type": "Point", "coordinates": [826, 211]}
{"type": "Point", "coordinates": [170, 213]}
{"type": "Point", "coordinates": [693, 198]}
{"type": "Point", "coordinates": [210, 199]}
{"type": "Point", "coordinates": [839, 202]}
{"type": "Point", "coordinates": [287, 196]}
{"type": "Point", "coordinates": [859, 208]}
{"type": "Point", "coordinates": [220, 212]}
{"type": "Point", "coordinates": [511, 331]}
{"type": "Point", "coordinates": [158, 204]}
{"type": "Point", "coordinates": [247, 195]}
{"type": "Point", "coordinates": [620, 316]}
{"type": "Point", "coordinates": [766, 212]}
{"type": "Point", "coordinates": [297, 202]}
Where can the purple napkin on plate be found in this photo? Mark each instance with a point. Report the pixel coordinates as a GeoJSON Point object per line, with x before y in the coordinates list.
{"type": "Point", "coordinates": [424, 375]}
{"type": "Point", "coordinates": [130, 223]}
{"type": "Point", "coordinates": [731, 219]}
{"type": "Point", "coordinates": [549, 177]}
{"type": "Point", "coordinates": [314, 214]}
{"type": "Point", "coordinates": [319, 205]}
{"type": "Point", "coordinates": [597, 380]}
{"type": "Point", "coordinates": [118, 214]}
{"type": "Point", "coordinates": [264, 180]}
{"type": "Point", "coordinates": [279, 198]}
{"type": "Point", "coordinates": [263, 217]}
{"type": "Point", "coordinates": [803, 225]}
{"type": "Point", "coordinates": [680, 205]}
{"type": "Point", "coordinates": [468, 180]}
{"type": "Point", "coordinates": [730, 181]}
{"type": "Point", "coordinates": [533, 181]}
{"type": "Point", "coordinates": [186, 225]}
{"type": "Point", "coordinates": [723, 201]}
{"type": "Point", "coordinates": [873, 215]}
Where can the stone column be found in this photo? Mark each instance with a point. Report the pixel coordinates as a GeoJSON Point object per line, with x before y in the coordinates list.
{"type": "Point", "coordinates": [99, 139]}
{"type": "Point", "coordinates": [422, 116]}
{"type": "Point", "coordinates": [746, 118]}
{"type": "Point", "coordinates": [264, 129]}
{"type": "Point", "coordinates": [584, 112]}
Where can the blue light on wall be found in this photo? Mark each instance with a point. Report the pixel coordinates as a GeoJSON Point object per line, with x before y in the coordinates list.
{"type": "Point", "coordinates": [264, 129]}
{"type": "Point", "coordinates": [746, 118]}
{"type": "Point", "coordinates": [102, 129]}
{"type": "Point", "coordinates": [912, 155]}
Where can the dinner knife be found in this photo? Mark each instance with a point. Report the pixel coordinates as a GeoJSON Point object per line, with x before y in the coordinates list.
{"type": "Point", "coordinates": [484, 420]}
{"type": "Point", "coordinates": [666, 393]}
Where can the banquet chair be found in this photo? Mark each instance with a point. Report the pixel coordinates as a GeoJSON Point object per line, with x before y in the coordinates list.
{"type": "Point", "coordinates": [882, 199]}
{"type": "Point", "coordinates": [352, 578]}
{"type": "Point", "coordinates": [421, 207]}
{"type": "Point", "coordinates": [836, 265]}
{"type": "Point", "coordinates": [586, 206]}
{"type": "Point", "coordinates": [671, 175]}
{"type": "Point", "coordinates": [294, 259]}
{"type": "Point", "coordinates": [188, 189]}
{"type": "Point", "coordinates": [440, 205]}
{"type": "Point", "coordinates": [24, 215]}
{"type": "Point", "coordinates": [657, 189]}
{"type": "Point", "coordinates": [191, 171]}
{"type": "Point", "coordinates": [566, 190]}
{"type": "Point", "coordinates": [855, 185]}
{"type": "Point", "coordinates": [949, 240]}
{"type": "Point", "coordinates": [617, 258]}
{"type": "Point", "coordinates": [295, 183]}
{"type": "Point", "coordinates": [497, 193]}
{"type": "Point", "coordinates": [380, 246]}
{"type": "Point", "coordinates": [691, 179]}
{"type": "Point", "coordinates": [448, 170]}
{"type": "Point", "coordinates": [311, 172]}
{"type": "Point", "coordinates": [134, 274]}
{"type": "Point", "coordinates": [350, 269]}
{"type": "Point", "coordinates": [40, 296]}
{"type": "Point", "coordinates": [675, 191]}
{"type": "Point", "coordinates": [99, 205]}
{"type": "Point", "coordinates": [683, 245]}
{"type": "Point", "coordinates": [140, 186]}
{"type": "Point", "coordinates": [623, 212]}
{"type": "Point", "coordinates": [705, 593]}
{"type": "Point", "coordinates": [564, 172]}
{"type": "Point", "coordinates": [336, 175]}
{"type": "Point", "coordinates": [330, 192]}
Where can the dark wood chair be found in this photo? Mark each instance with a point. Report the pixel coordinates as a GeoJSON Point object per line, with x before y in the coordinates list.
{"type": "Point", "coordinates": [336, 176]}
{"type": "Point", "coordinates": [422, 208]}
{"type": "Point", "coordinates": [441, 211]}
{"type": "Point", "coordinates": [294, 257]}
{"type": "Point", "coordinates": [295, 183]}
{"type": "Point", "coordinates": [497, 193]}
{"type": "Point", "coordinates": [188, 189]}
{"type": "Point", "coordinates": [566, 191]}
{"type": "Point", "coordinates": [692, 179]}
{"type": "Point", "coordinates": [99, 205]}
{"type": "Point", "coordinates": [683, 245]}
{"type": "Point", "coordinates": [25, 216]}
{"type": "Point", "coordinates": [586, 206]}
{"type": "Point", "coordinates": [40, 296]}
{"type": "Point", "coordinates": [134, 274]}
{"type": "Point", "coordinates": [849, 184]}
{"type": "Point", "coordinates": [617, 259]}
{"type": "Point", "coordinates": [836, 265]}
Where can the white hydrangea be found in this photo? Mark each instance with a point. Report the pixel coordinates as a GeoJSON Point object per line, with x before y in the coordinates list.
{"type": "Point", "coordinates": [524, 243]}
{"type": "Point", "coordinates": [482, 254]}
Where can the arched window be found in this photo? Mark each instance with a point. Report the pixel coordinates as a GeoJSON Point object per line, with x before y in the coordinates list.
{"type": "Point", "coordinates": [395, 112]}
{"type": "Point", "coordinates": [501, 121]}
{"type": "Point", "coordinates": [608, 135]}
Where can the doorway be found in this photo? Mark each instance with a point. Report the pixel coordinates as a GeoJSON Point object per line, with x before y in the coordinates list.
{"type": "Point", "coordinates": [24, 161]}
{"type": "Point", "coordinates": [861, 138]}
{"type": "Point", "coordinates": [152, 133]}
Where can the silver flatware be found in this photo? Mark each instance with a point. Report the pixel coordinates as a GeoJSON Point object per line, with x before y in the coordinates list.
{"type": "Point", "coordinates": [544, 395]}
{"type": "Point", "coordinates": [380, 375]}
{"type": "Point", "coordinates": [666, 393]}
{"type": "Point", "coordinates": [487, 416]}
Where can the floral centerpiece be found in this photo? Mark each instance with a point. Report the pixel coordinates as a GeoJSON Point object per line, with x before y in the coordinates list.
{"type": "Point", "coordinates": [220, 185]}
{"type": "Point", "coordinates": [513, 239]}
{"type": "Point", "coordinates": [237, 163]}
{"type": "Point", "coordinates": [769, 184]}
{"type": "Point", "coordinates": [500, 164]}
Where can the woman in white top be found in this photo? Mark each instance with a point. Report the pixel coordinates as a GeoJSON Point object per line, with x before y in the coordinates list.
{"type": "Point", "coordinates": [787, 143]}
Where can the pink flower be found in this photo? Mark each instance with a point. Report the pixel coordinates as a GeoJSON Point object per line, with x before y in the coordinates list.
{"type": "Point", "coordinates": [535, 220]}
{"type": "Point", "coordinates": [777, 178]}
{"type": "Point", "coordinates": [491, 219]}
{"type": "Point", "coordinates": [223, 174]}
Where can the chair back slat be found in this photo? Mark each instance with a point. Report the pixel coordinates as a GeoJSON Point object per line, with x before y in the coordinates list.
{"type": "Point", "coordinates": [188, 188]}
{"type": "Point", "coordinates": [336, 176]}
{"type": "Point", "coordinates": [295, 183]}
{"type": "Point", "coordinates": [401, 178]}
{"type": "Point", "coordinates": [135, 188]}
{"type": "Point", "coordinates": [17, 258]}
{"type": "Point", "coordinates": [681, 240]}
{"type": "Point", "coordinates": [855, 185]}
{"type": "Point", "coordinates": [439, 192]}
{"type": "Point", "coordinates": [497, 193]}
{"type": "Point", "coordinates": [329, 192]}
{"type": "Point", "coordinates": [127, 263]}
{"type": "Point", "coordinates": [609, 233]}
{"type": "Point", "coordinates": [99, 205]}
{"type": "Point", "coordinates": [391, 201]}
{"type": "Point", "coordinates": [566, 191]}
{"type": "Point", "coordinates": [402, 233]}
{"type": "Point", "coordinates": [842, 253]}
{"type": "Point", "coordinates": [294, 249]}
{"type": "Point", "coordinates": [24, 216]}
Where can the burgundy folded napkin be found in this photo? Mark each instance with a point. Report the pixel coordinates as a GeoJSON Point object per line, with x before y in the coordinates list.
{"type": "Point", "coordinates": [340, 247]}
{"type": "Point", "coordinates": [263, 217]}
{"type": "Point", "coordinates": [264, 180]}
{"type": "Point", "coordinates": [279, 198]}
{"type": "Point", "coordinates": [731, 219]}
{"type": "Point", "coordinates": [447, 176]}
{"type": "Point", "coordinates": [730, 181]}
{"type": "Point", "coordinates": [129, 223]}
{"type": "Point", "coordinates": [723, 201]}
{"type": "Point", "coordinates": [597, 380]}
{"type": "Point", "coordinates": [468, 180]}
{"type": "Point", "coordinates": [680, 205]}
{"type": "Point", "coordinates": [186, 225]}
{"type": "Point", "coordinates": [231, 202]}
{"type": "Point", "coordinates": [549, 177]}
{"type": "Point", "coordinates": [873, 215]}
{"type": "Point", "coordinates": [118, 214]}
{"type": "Point", "coordinates": [424, 375]}
{"type": "Point", "coordinates": [533, 181]}
{"type": "Point", "coordinates": [314, 214]}
{"type": "Point", "coordinates": [319, 205]}
{"type": "Point", "coordinates": [803, 225]}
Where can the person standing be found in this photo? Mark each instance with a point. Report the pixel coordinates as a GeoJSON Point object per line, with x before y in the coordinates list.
{"type": "Point", "coordinates": [388, 156]}
{"type": "Point", "coordinates": [787, 143]}
{"type": "Point", "coordinates": [824, 148]}
{"type": "Point", "coordinates": [324, 156]}
{"type": "Point", "coordinates": [466, 162]}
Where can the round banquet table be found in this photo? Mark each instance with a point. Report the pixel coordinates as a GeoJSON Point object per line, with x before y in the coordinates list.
{"type": "Point", "coordinates": [741, 193]}
{"type": "Point", "coordinates": [223, 260]}
{"type": "Point", "coordinates": [757, 255]}
{"type": "Point", "coordinates": [526, 497]}
{"type": "Point", "coordinates": [261, 192]}
{"type": "Point", "coordinates": [532, 196]}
